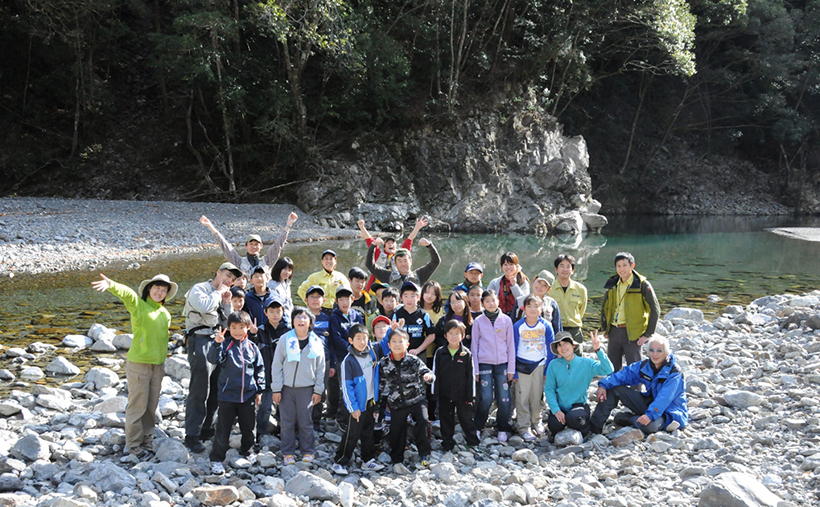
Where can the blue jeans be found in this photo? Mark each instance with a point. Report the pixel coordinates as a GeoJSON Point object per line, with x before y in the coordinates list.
{"type": "Point", "coordinates": [492, 379]}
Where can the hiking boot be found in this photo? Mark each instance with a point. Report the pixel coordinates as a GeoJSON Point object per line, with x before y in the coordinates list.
{"type": "Point", "coordinates": [528, 436]}
{"type": "Point", "coordinates": [194, 444]}
{"type": "Point", "coordinates": [217, 468]}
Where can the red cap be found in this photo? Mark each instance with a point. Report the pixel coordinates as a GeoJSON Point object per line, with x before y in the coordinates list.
{"type": "Point", "coordinates": [380, 318]}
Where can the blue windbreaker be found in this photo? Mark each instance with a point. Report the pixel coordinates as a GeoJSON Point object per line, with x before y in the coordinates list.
{"type": "Point", "coordinates": [667, 388]}
{"type": "Point", "coordinates": [243, 370]}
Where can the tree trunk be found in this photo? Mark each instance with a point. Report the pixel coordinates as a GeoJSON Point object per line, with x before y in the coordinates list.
{"type": "Point", "coordinates": [641, 96]}
{"type": "Point", "coordinates": [226, 127]}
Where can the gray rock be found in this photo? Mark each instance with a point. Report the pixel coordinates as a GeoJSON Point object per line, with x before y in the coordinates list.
{"type": "Point", "coordinates": [40, 348]}
{"type": "Point", "coordinates": [734, 489]}
{"type": "Point", "coordinates": [114, 436]}
{"type": "Point", "coordinates": [53, 402]}
{"type": "Point", "coordinates": [167, 406]}
{"type": "Point", "coordinates": [692, 314]}
{"type": "Point", "coordinates": [15, 352]}
{"type": "Point", "coordinates": [525, 455]}
{"type": "Point", "coordinates": [97, 331]}
{"type": "Point", "coordinates": [116, 404]}
{"type": "Point", "coordinates": [31, 448]}
{"type": "Point", "coordinates": [31, 373]}
{"type": "Point", "coordinates": [569, 436]}
{"type": "Point", "coordinates": [279, 500]}
{"type": "Point", "coordinates": [216, 495]}
{"type": "Point", "coordinates": [6, 375]}
{"type": "Point", "coordinates": [123, 341]}
{"type": "Point", "coordinates": [170, 449]}
{"type": "Point", "coordinates": [313, 487]}
{"type": "Point", "coordinates": [266, 459]}
{"type": "Point", "coordinates": [445, 472]}
{"type": "Point", "coordinates": [104, 344]}
{"type": "Point", "coordinates": [333, 437]}
{"type": "Point", "coordinates": [10, 482]}
{"type": "Point", "coordinates": [177, 367]}
{"type": "Point", "coordinates": [9, 407]}
{"type": "Point", "coordinates": [594, 221]}
{"type": "Point", "coordinates": [109, 477]}
{"type": "Point", "coordinates": [743, 399]}
{"type": "Point", "coordinates": [486, 491]}
{"type": "Point", "coordinates": [515, 493]}
{"type": "Point", "coordinates": [62, 366]}
{"type": "Point", "coordinates": [347, 494]}
{"type": "Point", "coordinates": [99, 378]}
{"type": "Point", "coordinates": [77, 341]}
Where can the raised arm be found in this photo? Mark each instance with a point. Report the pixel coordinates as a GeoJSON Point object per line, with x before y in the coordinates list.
{"type": "Point", "coordinates": [420, 223]}
{"type": "Point", "coordinates": [370, 262]}
{"type": "Point", "coordinates": [227, 249]}
{"type": "Point", "coordinates": [275, 249]}
{"type": "Point", "coordinates": [425, 272]}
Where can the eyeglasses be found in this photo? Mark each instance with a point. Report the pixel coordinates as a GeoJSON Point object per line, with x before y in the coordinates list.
{"type": "Point", "coordinates": [655, 351]}
{"type": "Point", "coordinates": [302, 317]}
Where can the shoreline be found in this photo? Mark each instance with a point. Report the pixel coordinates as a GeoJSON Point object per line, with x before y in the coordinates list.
{"type": "Point", "coordinates": [49, 235]}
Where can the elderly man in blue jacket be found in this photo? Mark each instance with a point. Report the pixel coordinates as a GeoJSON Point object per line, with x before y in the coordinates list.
{"type": "Point", "coordinates": [663, 405]}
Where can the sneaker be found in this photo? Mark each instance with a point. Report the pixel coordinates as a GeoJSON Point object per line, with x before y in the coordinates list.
{"type": "Point", "coordinates": [217, 468]}
{"type": "Point", "coordinates": [478, 434]}
{"type": "Point", "coordinates": [425, 461]}
{"type": "Point", "coordinates": [502, 436]}
{"type": "Point", "coordinates": [540, 429]}
{"type": "Point", "coordinates": [289, 459]}
{"type": "Point", "coordinates": [372, 466]}
{"type": "Point", "coordinates": [672, 426]}
{"type": "Point", "coordinates": [307, 458]}
{"type": "Point", "coordinates": [528, 436]}
{"type": "Point", "coordinates": [436, 423]}
{"type": "Point", "coordinates": [194, 445]}
{"type": "Point", "coordinates": [338, 469]}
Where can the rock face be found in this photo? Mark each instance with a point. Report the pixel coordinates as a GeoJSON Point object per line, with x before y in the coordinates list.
{"type": "Point", "coordinates": [521, 174]}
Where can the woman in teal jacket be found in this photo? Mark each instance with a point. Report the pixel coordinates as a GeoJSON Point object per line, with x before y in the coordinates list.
{"type": "Point", "coordinates": [663, 405]}
{"type": "Point", "coordinates": [145, 365]}
{"type": "Point", "coordinates": [567, 382]}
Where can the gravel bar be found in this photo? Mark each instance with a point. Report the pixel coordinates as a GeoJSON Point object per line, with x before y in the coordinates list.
{"type": "Point", "coordinates": [46, 235]}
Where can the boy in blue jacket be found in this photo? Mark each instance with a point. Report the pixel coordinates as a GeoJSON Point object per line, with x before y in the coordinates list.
{"type": "Point", "coordinates": [241, 382]}
{"type": "Point", "coordinates": [359, 377]}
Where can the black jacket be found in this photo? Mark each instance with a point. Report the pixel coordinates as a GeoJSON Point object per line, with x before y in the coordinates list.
{"type": "Point", "coordinates": [266, 338]}
{"type": "Point", "coordinates": [455, 375]}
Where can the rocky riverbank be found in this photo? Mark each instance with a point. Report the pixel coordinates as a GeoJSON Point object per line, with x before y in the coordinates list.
{"type": "Point", "coordinates": [752, 378]}
{"type": "Point", "coordinates": [40, 235]}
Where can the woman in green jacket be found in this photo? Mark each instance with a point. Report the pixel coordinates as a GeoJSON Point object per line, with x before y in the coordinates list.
{"type": "Point", "coordinates": [145, 365]}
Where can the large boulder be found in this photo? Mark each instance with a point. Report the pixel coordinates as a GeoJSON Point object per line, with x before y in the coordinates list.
{"type": "Point", "coordinates": [107, 476]}
{"type": "Point", "coordinates": [77, 341]}
{"type": "Point", "coordinates": [735, 489]}
{"type": "Point", "coordinates": [62, 366]}
{"type": "Point", "coordinates": [177, 367]}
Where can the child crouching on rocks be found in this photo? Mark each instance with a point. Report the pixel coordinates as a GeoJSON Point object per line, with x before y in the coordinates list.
{"type": "Point", "coordinates": [401, 380]}
{"type": "Point", "coordinates": [241, 382]}
{"type": "Point", "coordinates": [298, 381]}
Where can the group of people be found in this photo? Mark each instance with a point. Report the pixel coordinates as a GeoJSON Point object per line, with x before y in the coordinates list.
{"type": "Point", "coordinates": [377, 352]}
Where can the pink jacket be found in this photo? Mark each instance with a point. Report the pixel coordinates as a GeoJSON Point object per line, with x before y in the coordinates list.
{"type": "Point", "coordinates": [493, 344]}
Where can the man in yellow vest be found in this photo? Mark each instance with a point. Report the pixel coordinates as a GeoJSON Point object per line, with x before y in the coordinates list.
{"type": "Point", "coordinates": [571, 297]}
{"type": "Point", "coordinates": [629, 312]}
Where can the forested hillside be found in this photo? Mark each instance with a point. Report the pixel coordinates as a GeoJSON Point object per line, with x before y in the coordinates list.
{"type": "Point", "coordinates": [238, 100]}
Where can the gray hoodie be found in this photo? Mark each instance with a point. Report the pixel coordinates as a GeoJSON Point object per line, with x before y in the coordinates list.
{"type": "Point", "coordinates": [306, 372]}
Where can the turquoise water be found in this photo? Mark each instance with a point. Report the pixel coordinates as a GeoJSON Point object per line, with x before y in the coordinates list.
{"type": "Point", "coordinates": [685, 259]}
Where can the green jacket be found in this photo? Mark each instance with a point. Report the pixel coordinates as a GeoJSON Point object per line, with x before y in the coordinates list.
{"type": "Point", "coordinates": [641, 305]}
{"type": "Point", "coordinates": [149, 324]}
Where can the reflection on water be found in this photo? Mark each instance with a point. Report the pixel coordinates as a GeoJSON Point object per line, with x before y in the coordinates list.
{"type": "Point", "coordinates": [685, 259]}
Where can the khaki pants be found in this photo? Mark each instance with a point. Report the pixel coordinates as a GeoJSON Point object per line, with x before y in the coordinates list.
{"type": "Point", "coordinates": [529, 391]}
{"type": "Point", "coordinates": [144, 383]}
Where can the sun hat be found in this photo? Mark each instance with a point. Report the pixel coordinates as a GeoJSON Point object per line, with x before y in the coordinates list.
{"type": "Point", "coordinates": [562, 336]}
{"type": "Point", "coordinates": [172, 290]}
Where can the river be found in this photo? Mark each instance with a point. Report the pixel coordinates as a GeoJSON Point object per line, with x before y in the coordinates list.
{"type": "Point", "coordinates": [686, 259]}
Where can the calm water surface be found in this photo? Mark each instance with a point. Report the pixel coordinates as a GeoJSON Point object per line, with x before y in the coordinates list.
{"type": "Point", "coordinates": [685, 259]}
